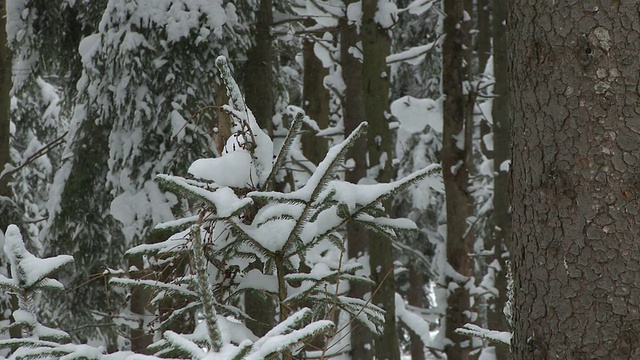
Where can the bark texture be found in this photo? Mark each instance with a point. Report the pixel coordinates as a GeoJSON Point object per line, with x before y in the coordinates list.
{"type": "Point", "coordinates": [501, 239]}
{"type": "Point", "coordinates": [456, 177]}
{"type": "Point", "coordinates": [353, 113]}
{"type": "Point", "coordinates": [576, 131]}
{"type": "Point", "coordinates": [376, 45]}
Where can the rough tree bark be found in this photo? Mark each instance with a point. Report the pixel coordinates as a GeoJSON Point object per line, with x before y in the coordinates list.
{"type": "Point", "coordinates": [456, 177]}
{"type": "Point", "coordinates": [353, 113]}
{"type": "Point", "coordinates": [376, 45]}
{"type": "Point", "coordinates": [574, 76]}
{"type": "Point", "coordinates": [501, 239]}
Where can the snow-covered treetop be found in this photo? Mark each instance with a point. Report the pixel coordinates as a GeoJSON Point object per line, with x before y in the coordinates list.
{"type": "Point", "coordinates": [28, 271]}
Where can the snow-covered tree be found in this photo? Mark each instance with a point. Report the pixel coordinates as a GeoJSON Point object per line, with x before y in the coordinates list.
{"type": "Point", "coordinates": [146, 81]}
{"type": "Point", "coordinates": [297, 236]}
{"type": "Point", "coordinates": [30, 275]}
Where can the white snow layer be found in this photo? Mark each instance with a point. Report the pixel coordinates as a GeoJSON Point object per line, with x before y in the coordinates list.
{"type": "Point", "coordinates": [231, 169]}
{"type": "Point", "coordinates": [28, 270]}
{"type": "Point", "coordinates": [415, 114]}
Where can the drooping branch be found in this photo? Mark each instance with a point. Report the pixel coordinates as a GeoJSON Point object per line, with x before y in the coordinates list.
{"type": "Point", "coordinates": [7, 172]}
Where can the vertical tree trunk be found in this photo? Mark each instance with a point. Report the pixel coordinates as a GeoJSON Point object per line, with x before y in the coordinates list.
{"type": "Point", "coordinates": [6, 206]}
{"type": "Point", "coordinates": [141, 337]}
{"type": "Point", "coordinates": [223, 121]}
{"type": "Point", "coordinates": [483, 37]}
{"type": "Point", "coordinates": [416, 298]}
{"type": "Point", "coordinates": [353, 114]}
{"type": "Point", "coordinates": [376, 45]}
{"type": "Point", "coordinates": [501, 240]}
{"type": "Point", "coordinates": [5, 99]}
{"type": "Point", "coordinates": [455, 174]}
{"type": "Point", "coordinates": [466, 24]}
{"type": "Point", "coordinates": [258, 87]}
{"type": "Point", "coordinates": [315, 101]}
{"type": "Point", "coordinates": [576, 134]}
{"type": "Point", "coordinates": [258, 74]}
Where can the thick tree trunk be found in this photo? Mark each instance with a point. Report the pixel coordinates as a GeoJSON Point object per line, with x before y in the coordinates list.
{"type": "Point", "coordinates": [502, 154]}
{"type": "Point", "coordinates": [258, 74]}
{"type": "Point", "coordinates": [353, 113]}
{"type": "Point", "coordinates": [376, 45]}
{"type": "Point", "coordinates": [576, 134]}
{"type": "Point", "coordinates": [315, 102]}
{"type": "Point", "coordinates": [456, 177]}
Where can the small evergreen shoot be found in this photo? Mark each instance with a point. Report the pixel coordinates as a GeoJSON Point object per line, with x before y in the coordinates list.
{"type": "Point", "coordinates": [296, 237]}
{"type": "Point", "coordinates": [29, 276]}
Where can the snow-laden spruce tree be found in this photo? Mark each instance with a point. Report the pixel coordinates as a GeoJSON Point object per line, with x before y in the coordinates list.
{"type": "Point", "coordinates": [241, 220]}
{"type": "Point", "coordinates": [147, 75]}
{"type": "Point", "coordinates": [29, 276]}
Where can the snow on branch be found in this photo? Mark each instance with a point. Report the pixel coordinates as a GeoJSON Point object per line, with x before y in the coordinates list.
{"type": "Point", "coordinates": [413, 56]}
{"type": "Point", "coordinates": [489, 335]}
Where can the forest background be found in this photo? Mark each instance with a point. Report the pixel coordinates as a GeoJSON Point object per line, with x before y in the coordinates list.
{"type": "Point", "coordinates": [241, 206]}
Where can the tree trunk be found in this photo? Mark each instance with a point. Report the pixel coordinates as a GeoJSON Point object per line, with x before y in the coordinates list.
{"type": "Point", "coordinates": [483, 39]}
{"type": "Point", "coordinates": [376, 45]}
{"type": "Point", "coordinates": [5, 99]}
{"type": "Point", "coordinates": [456, 177]}
{"type": "Point", "coordinates": [501, 239]}
{"type": "Point", "coordinates": [576, 134]}
{"type": "Point", "coordinates": [141, 337]}
{"type": "Point", "coordinates": [258, 74]}
{"type": "Point", "coordinates": [223, 122]}
{"type": "Point", "coordinates": [315, 101]}
{"type": "Point", "coordinates": [416, 298]}
{"type": "Point", "coordinates": [7, 208]}
{"type": "Point", "coordinates": [258, 87]}
{"type": "Point", "coordinates": [353, 114]}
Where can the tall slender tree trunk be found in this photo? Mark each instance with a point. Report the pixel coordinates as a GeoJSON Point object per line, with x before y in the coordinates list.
{"type": "Point", "coordinates": [353, 114]}
{"type": "Point", "coordinates": [223, 123]}
{"type": "Point", "coordinates": [415, 298]}
{"type": "Point", "coordinates": [376, 45]}
{"type": "Point", "coordinates": [258, 74]}
{"type": "Point", "coordinates": [575, 99]}
{"type": "Point", "coordinates": [483, 37]}
{"type": "Point", "coordinates": [501, 239]}
{"type": "Point", "coordinates": [5, 99]}
{"type": "Point", "coordinates": [258, 87]}
{"type": "Point", "coordinates": [315, 102]}
{"type": "Point", "coordinates": [6, 206]}
{"type": "Point", "coordinates": [456, 177]}
{"type": "Point", "coordinates": [141, 337]}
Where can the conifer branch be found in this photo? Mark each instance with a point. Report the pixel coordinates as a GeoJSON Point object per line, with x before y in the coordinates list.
{"type": "Point", "coordinates": [286, 146]}
{"type": "Point", "coordinates": [205, 291]}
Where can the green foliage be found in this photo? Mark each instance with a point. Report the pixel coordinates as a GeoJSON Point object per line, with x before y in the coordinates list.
{"type": "Point", "coordinates": [239, 227]}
